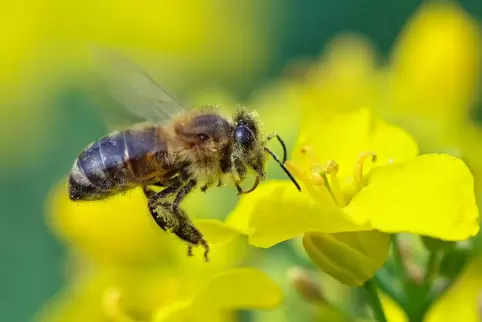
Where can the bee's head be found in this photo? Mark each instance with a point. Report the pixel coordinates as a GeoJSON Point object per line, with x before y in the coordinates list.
{"type": "Point", "coordinates": [250, 150]}
{"type": "Point", "coordinates": [248, 142]}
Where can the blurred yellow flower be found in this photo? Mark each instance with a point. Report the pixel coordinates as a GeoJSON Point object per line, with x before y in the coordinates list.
{"type": "Point", "coordinates": [234, 289]}
{"type": "Point", "coordinates": [435, 63]}
{"type": "Point", "coordinates": [430, 195]}
{"type": "Point", "coordinates": [145, 273]}
{"type": "Point", "coordinates": [126, 294]}
{"type": "Point", "coordinates": [462, 302]}
{"type": "Point", "coordinates": [344, 79]}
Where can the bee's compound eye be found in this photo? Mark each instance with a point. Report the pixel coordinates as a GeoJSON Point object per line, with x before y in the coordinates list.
{"type": "Point", "coordinates": [203, 137]}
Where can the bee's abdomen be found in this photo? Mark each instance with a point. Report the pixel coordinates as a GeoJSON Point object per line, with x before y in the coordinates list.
{"type": "Point", "coordinates": [115, 163]}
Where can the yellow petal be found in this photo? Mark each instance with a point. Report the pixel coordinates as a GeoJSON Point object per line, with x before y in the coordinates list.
{"type": "Point", "coordinates": [351, 258]}
{"type": "Point", "coordinates": [393, 311]}
{"type": "Point", "coordinates": [234, 289]}
{"type": "Point", "coordinates": [342, 137]}
{"type": "Point", "coordinates": [179, 312]}
{"type": "Point", "coordinates": [215, 231]}
{"type": "Point", "coordinates": [240, 288]}
{"type": "Point", "coordinates": [343, 80]}
{"type": "Point", "coordinates": [465, 295]}
{"type": "Point", "coordinates": [276, 212]}
{"type": "Point", "coordinates": [431, 195]}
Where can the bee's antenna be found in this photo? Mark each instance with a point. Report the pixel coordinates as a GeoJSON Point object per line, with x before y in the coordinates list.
{"type": "Point", "coordinates": [274, 134]}
{"type": "Point", "coordinates": [283, 167]}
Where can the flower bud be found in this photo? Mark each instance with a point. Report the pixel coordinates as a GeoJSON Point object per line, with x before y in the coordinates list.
{"type": "Point", "coordinates": [352, 258]}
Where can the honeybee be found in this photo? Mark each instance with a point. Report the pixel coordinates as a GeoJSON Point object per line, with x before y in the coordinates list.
{"type": "Point", "coordinates": [176, 148]}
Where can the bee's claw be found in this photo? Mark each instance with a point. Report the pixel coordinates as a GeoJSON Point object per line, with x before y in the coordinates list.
{"type": "Point", "coordinates": [240, 190]}
{"type": "Point", "coordinates": [189, 250]}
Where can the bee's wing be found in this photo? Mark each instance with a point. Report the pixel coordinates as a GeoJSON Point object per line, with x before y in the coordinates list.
{"type": "Point", "coordinates": [133, 88]}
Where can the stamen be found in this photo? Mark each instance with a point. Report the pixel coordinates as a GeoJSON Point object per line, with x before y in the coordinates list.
{"type": "Point", "coordinates": [320, 176]}
{"type": "Point", "coordinates": [314, 184]}
{"type": "Point", "coordinates": [331, 169]}
{"type": "Point", "coordinates": [294, 169]}
{"type": "Point", "coordinates": [358, 170]}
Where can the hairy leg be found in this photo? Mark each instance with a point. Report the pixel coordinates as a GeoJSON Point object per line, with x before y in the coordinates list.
{"type": "Point", "coordinates": [170, 217]}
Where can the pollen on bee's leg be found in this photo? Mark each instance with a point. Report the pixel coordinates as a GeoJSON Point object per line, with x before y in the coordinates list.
{"type": "Point", "coordinates": [358, 170]}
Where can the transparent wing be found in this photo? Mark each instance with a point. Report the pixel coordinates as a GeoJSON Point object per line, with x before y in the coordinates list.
{"type": "Point", "coordinates": [133, 88]}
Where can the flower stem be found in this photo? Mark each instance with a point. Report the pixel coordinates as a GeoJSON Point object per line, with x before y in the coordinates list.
{"type": "Point", "coordinates": [399, 261]}
{"type": "Point", "coordinates": [371, 287]}
{"type": "Point", "coordinates": [431, 270]}
{"type": "Point", "coordinates": [385, 284]}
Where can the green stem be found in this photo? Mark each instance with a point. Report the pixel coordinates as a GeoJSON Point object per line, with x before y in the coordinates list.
{"type": "Point", "coordinates": [385, 284]}
{"type": "Point", "coordinates": [431, 270]}
{"type": "Point", "coordinates": [371, 287]}
{"type": "Point", "coordinates": [399, 261]}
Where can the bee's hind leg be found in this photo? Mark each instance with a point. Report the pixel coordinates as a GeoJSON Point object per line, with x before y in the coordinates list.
{"type": "Point", "coordinates": [170, 217]}
{"type": "Point", "coordinates": [187, 231]}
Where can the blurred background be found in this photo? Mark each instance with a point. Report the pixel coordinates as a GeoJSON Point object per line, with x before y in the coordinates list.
{"type": "Point", "coordinates": [207, 51]}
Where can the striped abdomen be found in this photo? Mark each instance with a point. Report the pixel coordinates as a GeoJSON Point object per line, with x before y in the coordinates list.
{"type": "Point", "coordinates": [117, 163]}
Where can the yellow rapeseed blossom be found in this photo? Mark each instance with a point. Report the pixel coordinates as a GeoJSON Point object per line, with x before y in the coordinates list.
{"type": "Point", "coordinates": [433, 80]}
{"type": "Point", "coordinates": [234, 289]}
{"type": "Point", "coordinates": [135, 270]}
{"type": "Point", "coordinates": [121, 294]}
{"type": "Point", "coordinates": [463, 301]}
{"type": "Point", "coordinates": [436, 63]}
{"type": "Point", "coordinates": [377, 186]}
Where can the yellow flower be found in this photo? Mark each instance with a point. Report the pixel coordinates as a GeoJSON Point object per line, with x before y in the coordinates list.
{"type": "Point", "coordinates": [231, 290]}
{"type": "Point", "coordinates": [122, 294]}
{"type": "Point", "coordinates": [347, 207]}
{"type": "Point", "coordinates": [464, 295]}
{"type": "Point", "coordinates": [145, 273]}
{"type": "Point", "coordinates": [436, 63]}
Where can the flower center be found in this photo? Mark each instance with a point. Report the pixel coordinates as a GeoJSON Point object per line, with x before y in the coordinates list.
{"type": "Point", "coordinates": [327, 175]}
